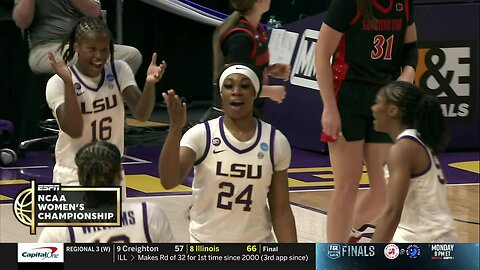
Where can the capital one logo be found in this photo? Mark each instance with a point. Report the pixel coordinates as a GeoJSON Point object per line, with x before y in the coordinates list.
{"type": "Point", "coordinates": [447, 72]}
{"type": "Point", "coordinates": [40, 252]}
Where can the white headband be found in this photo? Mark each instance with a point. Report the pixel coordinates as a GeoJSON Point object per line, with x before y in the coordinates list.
{"type": "Point", "coordinates": [240, 69]}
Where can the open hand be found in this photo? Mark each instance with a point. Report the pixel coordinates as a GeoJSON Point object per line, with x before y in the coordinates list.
{"type": "Point", "coordinates": [60, 67]}
{"type": "Point", "coordinates": [177, 110]}
{"type": "Point", "coordinates": [280, 71]}
{"type": "Point", "coordinates": [276, 93]}
{"type": "Point", "coordinates": [154, 72]}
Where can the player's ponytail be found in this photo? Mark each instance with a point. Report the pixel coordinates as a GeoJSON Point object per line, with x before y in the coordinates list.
{"type": "Point", "coordinates": [430, 123]}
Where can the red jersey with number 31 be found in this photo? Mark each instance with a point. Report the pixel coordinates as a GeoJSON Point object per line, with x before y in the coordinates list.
{"type": "Point", "coordinates": [369, 52]}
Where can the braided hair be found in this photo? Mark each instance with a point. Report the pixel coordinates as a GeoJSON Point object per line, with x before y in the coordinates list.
{"type": "Point", "coordinates": [99, 163]}
{"type": "Point", "coordinates": [420, 111]}
{"type": "Point", "coordinates": [83, 26]}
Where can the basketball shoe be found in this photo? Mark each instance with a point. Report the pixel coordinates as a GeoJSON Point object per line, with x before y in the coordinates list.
{"type": "Point", "coordinates": [365, 230]}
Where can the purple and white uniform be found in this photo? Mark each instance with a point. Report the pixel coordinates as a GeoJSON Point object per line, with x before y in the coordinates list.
{"type": "Point", "coordinates": [426, 216]}
{"type": "Point", "coordinates": [232, 180]}
{"type": "Point", "coordinates": [102, 106]}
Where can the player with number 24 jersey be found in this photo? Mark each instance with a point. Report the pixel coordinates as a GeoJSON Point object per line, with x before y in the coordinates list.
{"type": "Point", "coordinates": [233, 179]}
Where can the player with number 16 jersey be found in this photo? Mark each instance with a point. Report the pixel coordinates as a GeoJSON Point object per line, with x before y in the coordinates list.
{"type": "Point", "coordinates": [87, 99]}
{"type": "Point", "coordinates": [101, 104]}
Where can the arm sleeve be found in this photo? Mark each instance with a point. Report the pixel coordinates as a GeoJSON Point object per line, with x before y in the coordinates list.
{"type": "Point", "coordinates": [282, 152]}
{"type": "Point", "coordinates": [237, 48]}
{"type": "Point", "coordinates": [55, 93]}
{"type": "Point", "coordinates": [195, 139]}
{"type": "Point", "coordinates": [340, 14]}
{"type": "Point", "coordinates": [124, 74]}
{"type": "Point", "coordinates": [160, 230]}
{"type": "Point", "coordinates": [409, 55]}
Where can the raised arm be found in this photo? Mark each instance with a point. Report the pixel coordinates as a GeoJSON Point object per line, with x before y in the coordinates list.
{"type": "Point", "coordinates": [68, 113]}
{"type": "Point", "coordinates": [141, 104]}
{"type": "Point", "coordinates": [175, 162]}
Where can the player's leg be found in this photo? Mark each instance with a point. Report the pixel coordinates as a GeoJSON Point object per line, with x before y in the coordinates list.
{"type": "Point", "coordinates": [370, 203]}
{"type": "Point", "coordinates": [377, 144]}
{"type": "Point", "coordinates": [346, 157]}
{"type": "Point", "coordinates": [38, 57]}
{"type": "Point", "coordinates": [347, 161]}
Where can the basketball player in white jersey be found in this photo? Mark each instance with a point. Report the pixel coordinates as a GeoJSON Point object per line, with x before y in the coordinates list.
{"type": "Point", "coordinates": [417, 209]}
{"type": "Point", "coordinates": [240, 187]}
{"type": "Point", "coordinates": [99, 164]}
{"type": "Point", "coordinates": [87, 99]}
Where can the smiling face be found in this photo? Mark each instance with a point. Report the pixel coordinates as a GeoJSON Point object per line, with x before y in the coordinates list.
{"type": "Point", "coordinates": [238, 95]}
{"type": "Point", "coordinates": [93, 51]}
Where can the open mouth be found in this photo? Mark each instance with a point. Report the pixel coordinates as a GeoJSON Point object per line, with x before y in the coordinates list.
{"type": "Point", "coordinates": [237, 104]}
{"type": "Point", "coordinates": [97, 64]}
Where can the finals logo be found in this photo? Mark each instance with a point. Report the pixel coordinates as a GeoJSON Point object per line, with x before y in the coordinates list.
{"type": "Point", "coordinates": [336, 251]}
{"type": "Point", "coordinates": [51, 205]}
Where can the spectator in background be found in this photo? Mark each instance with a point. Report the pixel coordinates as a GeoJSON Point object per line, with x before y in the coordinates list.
{"type": "Point", "coordinates": [48, 23]}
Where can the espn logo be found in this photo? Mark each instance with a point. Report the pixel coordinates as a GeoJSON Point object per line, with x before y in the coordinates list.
{"type": "Point", "coordinates": [48, 187]}
{"type": "Point", "coordinates": [446, 71]}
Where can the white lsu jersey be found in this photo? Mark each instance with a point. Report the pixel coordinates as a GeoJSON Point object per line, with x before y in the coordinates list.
{"type": "Point", "coordinates": [232, 180]}
{"type": "Point", "coordinates": [101, 103]}
{"type": "Point", "coordinates": [426, 216]}
{"type": "Point", "coordinates": [141, 223]}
